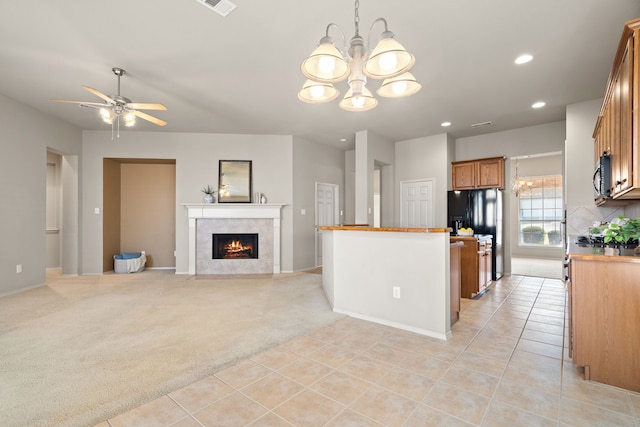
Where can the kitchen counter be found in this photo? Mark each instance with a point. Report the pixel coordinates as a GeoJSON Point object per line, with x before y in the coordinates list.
{"type": "Point", "coordinates": [597, 253]}
{"type": "Point", "coordinates": [384, 229]}
{"type": "Point", "coordinates": [604, 321]}
{"type": "Point", "coordinates": [473, 237]}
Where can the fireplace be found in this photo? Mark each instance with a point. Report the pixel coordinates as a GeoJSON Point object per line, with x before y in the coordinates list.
{"type": "Point", "coordinates": [235, 245]}
{"type": "Point", "coordinates": [206, 219]}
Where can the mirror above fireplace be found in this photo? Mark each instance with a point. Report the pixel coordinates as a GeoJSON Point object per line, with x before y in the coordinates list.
{"type": "Point", "coordinates": [234, 181]}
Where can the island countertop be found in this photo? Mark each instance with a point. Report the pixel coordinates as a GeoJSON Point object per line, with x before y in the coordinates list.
{"type": "Point", "coordinates": [384, 229]}
{"type": "Point", "coordinates": [577, 251]}
{"type": "Point", "coordinates": [473, 237]}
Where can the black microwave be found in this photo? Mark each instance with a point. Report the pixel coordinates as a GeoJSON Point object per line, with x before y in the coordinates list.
{"type": "Point", "coordinates": [602, 176]}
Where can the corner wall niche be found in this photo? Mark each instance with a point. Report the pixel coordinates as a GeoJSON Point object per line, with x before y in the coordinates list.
{"type": "Point", "coordinates": [205, 220]}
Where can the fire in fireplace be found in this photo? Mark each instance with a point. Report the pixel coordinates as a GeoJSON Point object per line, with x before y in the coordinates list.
{"type": "Point", "coordinates": [235, 245]}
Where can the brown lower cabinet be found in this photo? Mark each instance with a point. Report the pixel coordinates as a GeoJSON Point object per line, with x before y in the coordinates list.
{"type": "Point", "coordinates": [475, 259]}
{"type": "Point", "coordinates": [604, 319]}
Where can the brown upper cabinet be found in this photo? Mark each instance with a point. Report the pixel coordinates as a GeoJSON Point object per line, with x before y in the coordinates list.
{"type": "Point", "coordinates": [480, 173]}
{"type": "Point", "coordinates": [618, 123]}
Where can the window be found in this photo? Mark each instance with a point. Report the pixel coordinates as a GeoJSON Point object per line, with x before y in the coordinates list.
{"type": "Point", "coordinates": [540, 211]}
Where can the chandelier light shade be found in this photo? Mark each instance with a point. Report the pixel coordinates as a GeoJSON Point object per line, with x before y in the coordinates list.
{"type": "Point", "coordinates": [325, 64]}
{"type": "Point", "coordinates": [362, 101]}
{"type": "Point", "coordinates": [328, 64]}
{"type": "Point", "coordinates": [317, 92]}
{"type": "Point", "coordinates": [388, 59]}
{"type": "Point", "coordinates": [397, 87]}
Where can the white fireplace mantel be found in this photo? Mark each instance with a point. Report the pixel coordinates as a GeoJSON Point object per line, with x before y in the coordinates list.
{"type": "Point", "coordinates": [233, 210]}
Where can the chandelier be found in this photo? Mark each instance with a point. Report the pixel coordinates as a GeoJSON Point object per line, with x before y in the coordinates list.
{"type": "Point", "coordinates": [327, 65]}
{"type": "Point", "coordinates": [519, 184]}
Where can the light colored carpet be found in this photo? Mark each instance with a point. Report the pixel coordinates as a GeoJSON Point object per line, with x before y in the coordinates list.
{"type": "Point", "coordinates": [537, 267]}
{"type": "Point", "coordinates": [82, 349]}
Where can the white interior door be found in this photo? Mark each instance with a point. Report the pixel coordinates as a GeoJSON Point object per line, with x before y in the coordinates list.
{"type": "Point", "coordinates": [326, 205]}
{"type": "Point", "coordinates": [416, 204]}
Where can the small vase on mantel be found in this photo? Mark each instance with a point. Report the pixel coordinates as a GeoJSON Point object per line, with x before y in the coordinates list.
{"type": "Point", "coordinates": [208, 194]}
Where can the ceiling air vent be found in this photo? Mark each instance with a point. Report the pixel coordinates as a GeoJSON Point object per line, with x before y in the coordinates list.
{"type": "Point", "coordinates": [221, 7]}
{"type": "Point", "coordinates": [479, 125]}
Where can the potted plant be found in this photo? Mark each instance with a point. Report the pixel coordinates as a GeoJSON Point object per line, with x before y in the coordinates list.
{"type": "Point", "coordinates": [554, 237]}
{"type": "Point", "coordinates": [209, 194]}
{"type": "Point", "coordinates": [533, 234]}
{"type": "Point", "coordinates": [619, 231]}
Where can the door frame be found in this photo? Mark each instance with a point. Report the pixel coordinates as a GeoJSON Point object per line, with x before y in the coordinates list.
{"type": "Point", "coordinates": [336, 212]}
{"type": "Point", "coordinates": [431, 207]}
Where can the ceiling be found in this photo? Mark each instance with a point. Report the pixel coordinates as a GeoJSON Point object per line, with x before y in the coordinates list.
{"type": "Point", "coordinates": [241, 74]}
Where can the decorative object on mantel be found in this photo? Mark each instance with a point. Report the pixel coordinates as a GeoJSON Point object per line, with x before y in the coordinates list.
{"type": "Point", "coordinates": [234, 181]}
{"type": "Point", "coordinates": [209, 194]}
{"type": "Point", "coordinates": [260, 198]}
{"type": "Point", "coordinates": [327, 65]}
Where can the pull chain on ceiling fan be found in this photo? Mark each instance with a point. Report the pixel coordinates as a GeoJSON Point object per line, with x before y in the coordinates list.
{"type": "Point", "coordinates": [116, 106]}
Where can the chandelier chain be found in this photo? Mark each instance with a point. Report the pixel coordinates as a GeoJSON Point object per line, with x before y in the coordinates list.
{"type": "Point", "coordinates": [357, 18]}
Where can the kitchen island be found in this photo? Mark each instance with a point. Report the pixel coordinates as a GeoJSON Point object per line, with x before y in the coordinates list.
{"type": "Point", "coordinates": [399, 277]}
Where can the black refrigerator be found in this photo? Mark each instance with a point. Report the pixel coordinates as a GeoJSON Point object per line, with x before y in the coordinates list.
{"type": "Point", "coordinates": [482, 211]}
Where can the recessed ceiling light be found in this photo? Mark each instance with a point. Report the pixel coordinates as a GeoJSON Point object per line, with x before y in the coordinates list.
{"type": "Point", "coordinates": [538, 104]}
{"type": "Point", "coordinates": [523, 59]}
{"type": "Point", "coordinates": [445, 124]}
{"type": "Point", "coordinates": [343, 139]}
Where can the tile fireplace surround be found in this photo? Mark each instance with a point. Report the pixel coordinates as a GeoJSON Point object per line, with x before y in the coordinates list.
{"type": "Point", "coordinates": [205, 219]}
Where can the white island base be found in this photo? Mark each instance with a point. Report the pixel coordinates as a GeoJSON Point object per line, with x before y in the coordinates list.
{"type": "Point", "coordinates": [362, 266]}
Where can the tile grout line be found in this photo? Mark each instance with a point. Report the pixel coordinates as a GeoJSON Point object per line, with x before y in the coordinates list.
{"type": "Point", "coordinates": [480, 329]}
{"type": "Point", "coordinates": [491, 399]}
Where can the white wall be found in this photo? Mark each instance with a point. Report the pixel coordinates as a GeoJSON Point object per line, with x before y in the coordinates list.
{"type": "Point", "coordinates": [350, 187]}
{"type": "Point", "coordinates": [517, 142]}
{"type": "Point", "coordinates": [312, 162]}
{"type": "Point", "coordinates": [26, 135]}
{"type": "Point", "coordinates": [196, 158]}
{"type": "Point", "coordinates": [371, 149]}
{"type": "Point", "coordinates": [421, 159]}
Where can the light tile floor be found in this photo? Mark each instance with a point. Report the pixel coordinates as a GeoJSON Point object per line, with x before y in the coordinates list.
{"type": "Point", "coordinates": [504, 366]}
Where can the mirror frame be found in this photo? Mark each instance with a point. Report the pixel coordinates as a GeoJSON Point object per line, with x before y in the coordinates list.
{"type": "Point", "coordinates": [234, 181]}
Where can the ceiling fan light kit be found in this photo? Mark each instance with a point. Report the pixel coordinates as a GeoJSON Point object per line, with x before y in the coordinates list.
{"type": "Point", "coordinates": [327, 64]}
{"type": "Point", "coordinates": [118, 106]}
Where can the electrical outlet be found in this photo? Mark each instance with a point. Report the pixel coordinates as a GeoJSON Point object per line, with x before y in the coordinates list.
{"type": "Point", "coordinates": [18, 268]}
{"type": "Point", "coordinates": [303, 211]}
{"type": "Point", "coordinates": [396, 292]}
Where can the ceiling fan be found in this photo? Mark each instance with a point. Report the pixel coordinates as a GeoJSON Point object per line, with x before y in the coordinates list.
{"type": "Point", "coordinates": [115, 106]}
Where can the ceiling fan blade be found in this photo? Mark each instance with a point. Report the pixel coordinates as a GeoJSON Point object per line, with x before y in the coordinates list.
{"type": "Point", "coordinates": [97, 104]}
{"type": "Point", "coordinates": [141, 106]}
{"type": "Point", "coordinates": [149, 118]}
{"type": "Point", "coordinates": [99, 94]}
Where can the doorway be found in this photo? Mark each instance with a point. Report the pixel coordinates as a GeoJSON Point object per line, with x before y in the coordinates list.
{"type": "Point", "coordinates": [327, 196]}
{"type": "Point", "coordinates": [416, 204]}
{"type": "Point", "coordinates": [53, 210]}
{"type": "Point", "coordinates": [62, 214]}
{"type": "Point", "coordinates": [139, 210]}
